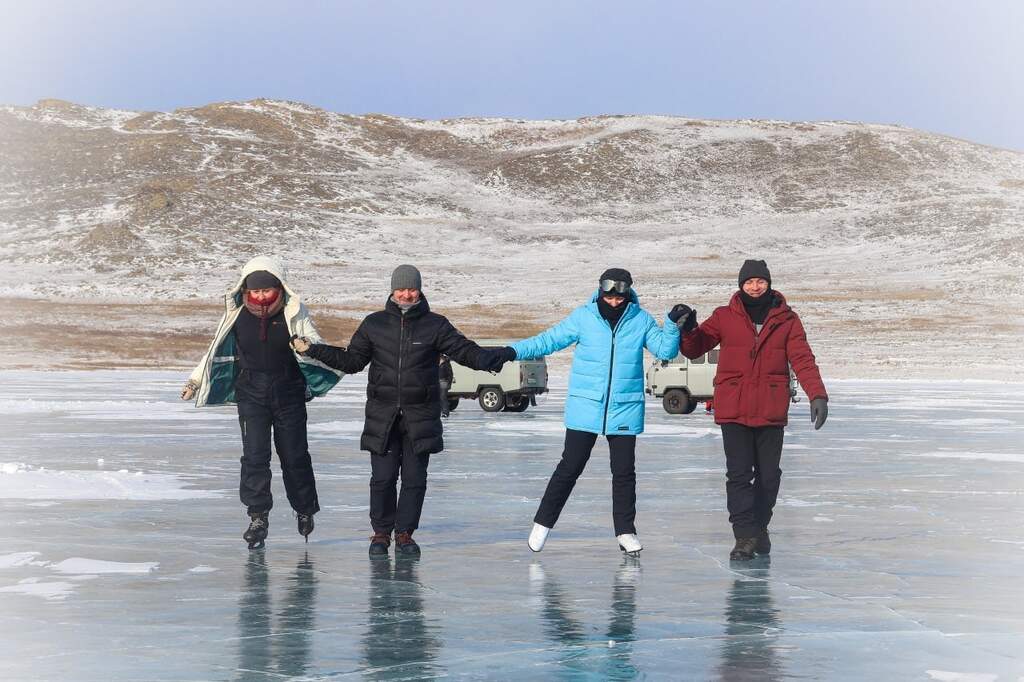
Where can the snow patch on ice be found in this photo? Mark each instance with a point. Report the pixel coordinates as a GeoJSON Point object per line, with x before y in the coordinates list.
{"type": "Point", "coordinates": [18, 481]}
{"type": "Point", "coordinates": [78, 565]}
{"type": "Point", "coordinates": [948, 676]}
{"type": "Point", "coordinates": [203, 569]}
{"type": "Point", "coordinates": [53, 591]}
{"type": "Point", "coordinates": [17, 559]}
{"type": "Point", "coordinates": [987, 456]}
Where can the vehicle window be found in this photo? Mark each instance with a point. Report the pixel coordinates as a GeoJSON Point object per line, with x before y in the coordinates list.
{"type": "Point", "coordinates": [713, 357]}
{"type": "Point", "coordinates": [698, 361]}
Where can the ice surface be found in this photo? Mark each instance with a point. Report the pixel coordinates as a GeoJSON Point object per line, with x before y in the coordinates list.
{"type": "Point", "coordinates": [898, 547]}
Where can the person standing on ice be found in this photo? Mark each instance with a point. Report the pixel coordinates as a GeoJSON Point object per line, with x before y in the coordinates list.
{"type": "Point", "coordinates": [606, 396]}
{"type": "Point", "coordinates": [249, 362]}
{"type": "Point", "coordinates": [402, 344]}
{"type": "Point", "coordinates": [761, 337]}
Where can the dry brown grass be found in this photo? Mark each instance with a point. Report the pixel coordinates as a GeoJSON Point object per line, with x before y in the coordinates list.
{"type": "Point", "coordinates": [55, 335]}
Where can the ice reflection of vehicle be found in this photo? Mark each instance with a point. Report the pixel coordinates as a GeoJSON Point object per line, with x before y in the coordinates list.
{"type": "Point", "coordinates": [513, 389]}
{"type": "Point", "coordinates": [683, 383]}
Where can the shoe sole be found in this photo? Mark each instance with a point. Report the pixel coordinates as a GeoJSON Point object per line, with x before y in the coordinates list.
{"type": "Point", "coordinates": [634, 553]}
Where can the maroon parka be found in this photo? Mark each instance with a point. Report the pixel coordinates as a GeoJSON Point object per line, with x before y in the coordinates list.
{"type": "Point", "coordinates": [752, 381]}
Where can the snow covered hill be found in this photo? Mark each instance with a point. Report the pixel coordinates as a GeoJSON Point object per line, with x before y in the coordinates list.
{"type": "Point", "coordinates": [902, 250]}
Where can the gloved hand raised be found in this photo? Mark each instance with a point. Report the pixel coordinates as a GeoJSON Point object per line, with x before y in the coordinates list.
{"type": "Point", "coordinates": [498, 357]}
{"type": "Point", "coordinates": [684, 316]}
{"type": "Point", "coordinates": [300, 344]}
{"type": "Point", "coordinates": [189, 392]}
{"type": "Point", "coordinates": [819, 412]}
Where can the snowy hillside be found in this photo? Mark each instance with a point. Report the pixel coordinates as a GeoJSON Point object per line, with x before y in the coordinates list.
{"type": "Point", "coordinates": [899, 248]}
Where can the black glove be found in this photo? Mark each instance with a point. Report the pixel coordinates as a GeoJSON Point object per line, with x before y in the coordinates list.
{"type": "Point", "coordinates": [499, 357]}
{"type": "Point", "coordinates": [819, 412]}
{"type": "Point", "coordinates": [684, 316]}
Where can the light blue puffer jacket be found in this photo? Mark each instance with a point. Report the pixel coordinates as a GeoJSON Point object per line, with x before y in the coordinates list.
{"type": "Point", "coordinates": [606, 386]}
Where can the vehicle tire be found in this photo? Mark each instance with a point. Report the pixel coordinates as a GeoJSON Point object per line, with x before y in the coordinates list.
{"type": "Point", "coordinates": [492, 399]}
{"type": "Point", "coordinates": [452, 404]}
{"type": "Point", "coordinates": [677, 401]}
{"type": "Point", "coordinates": [516, 403]}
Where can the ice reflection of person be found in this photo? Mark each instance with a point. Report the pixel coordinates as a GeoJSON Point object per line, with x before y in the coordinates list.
{"type": "Point", "coordinates": [751, 627]}
{"type": "Point", "coordinates": [296, 619]}
{"type": "Point", "coordinates": [254, 620]}
{"type": "Point", "coordinates": [276, 645]}
{"type": "Point", "coordinates": [399, 642]}
{"type": "Point", "coordinates": [607, 655]}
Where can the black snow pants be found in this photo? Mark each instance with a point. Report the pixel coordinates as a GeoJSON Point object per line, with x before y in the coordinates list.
{"type": "Point", "coordinates": [274, 403]}
{"type": "Point", "coordinates": [390, 510]}
{"type": "Point", "coordinates": [752, 478]}
{"type": "Point", "coordinates": [578, 446]}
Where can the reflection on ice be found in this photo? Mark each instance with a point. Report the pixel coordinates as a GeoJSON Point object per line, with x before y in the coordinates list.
{"type": "Point", "coordinates": [899, 532]}
{"type": "Point", "coordinates": [399, 642]}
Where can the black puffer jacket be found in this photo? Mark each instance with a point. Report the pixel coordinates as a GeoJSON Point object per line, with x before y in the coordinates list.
{"type": "Point", "coordinates": [403, 353]}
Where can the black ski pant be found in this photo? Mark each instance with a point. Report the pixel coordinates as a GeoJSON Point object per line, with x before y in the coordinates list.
{"type": "Point", "coordinates": [752, 455]}
{"type": "Point", "coordinates": [274, 404]}
{"type": "Point", "coordinates": [390, 510]}
{"type": "Point", "coordinates": [578, 445]}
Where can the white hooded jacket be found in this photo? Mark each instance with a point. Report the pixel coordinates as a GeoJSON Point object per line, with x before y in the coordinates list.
{"type": "Point", "coordinates": [215, 374]}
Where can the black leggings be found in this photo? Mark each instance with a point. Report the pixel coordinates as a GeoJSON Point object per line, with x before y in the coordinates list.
{"type": "Point", "coordinates": [578, 445]}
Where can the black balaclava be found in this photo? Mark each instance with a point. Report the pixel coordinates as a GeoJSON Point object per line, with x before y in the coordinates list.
{"type": "Point", "coordinates": [608, 312]}
{"type": "Point", "coordinates": [757, 308]}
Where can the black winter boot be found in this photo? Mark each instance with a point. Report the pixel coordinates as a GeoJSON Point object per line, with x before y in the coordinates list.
{"type": "Point", "coordinates": [743, 550]}
{"type": "Point", "coordinates": [305, 522]}
{"type": "Point", "coordinates": [764, 543]}
{"type": "Point", "coordinates": [256, 533]}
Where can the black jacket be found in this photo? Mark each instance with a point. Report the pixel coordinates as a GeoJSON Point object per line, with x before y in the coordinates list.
{"type": "Point", "coordinates": [403, 353]}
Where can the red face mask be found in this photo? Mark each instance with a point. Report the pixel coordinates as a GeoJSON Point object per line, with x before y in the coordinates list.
{"type": "Point", "coordinates": [268, 301]}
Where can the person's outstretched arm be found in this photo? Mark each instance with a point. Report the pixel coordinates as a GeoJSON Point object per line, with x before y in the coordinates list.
{"type": "Point", "coordinates": [562, 335]}
{"type": "Point", "coordinates": [451, 342]}
{"type": "Point", "coordinates": [700, 340]}
{"type": "Point", "coordinates": [349, 360]}
{"type": "Point", "coordinates": [662, 342]}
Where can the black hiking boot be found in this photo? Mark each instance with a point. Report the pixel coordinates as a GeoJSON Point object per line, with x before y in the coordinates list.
{"type": "Point", "coordinates": [305, 523]}
{"type": "Point", "coordinates": [743, 550]}
{"type": "Point", "coordinates": [764, 543]}
{"type": "Point", "coordinates": [405, 544]}
{"type": "Point", "coordinates": [379, 543]}
{"type": "Point", "coordinates": [256, 533]}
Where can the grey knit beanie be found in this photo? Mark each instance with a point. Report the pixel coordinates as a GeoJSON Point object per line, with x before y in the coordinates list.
{"type": "Point", "coordinates": [406, 277]}
{"type": "Point", "coordinates": [754, 268]}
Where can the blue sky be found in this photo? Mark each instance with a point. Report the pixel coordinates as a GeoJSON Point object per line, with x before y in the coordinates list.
{"type": "Point", "coordinates": [947, 67]}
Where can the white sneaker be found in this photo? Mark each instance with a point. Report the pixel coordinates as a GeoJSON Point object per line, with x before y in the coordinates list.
{"type": "Point", "coordinates": [629, 543]}
{"type": "Point", "coordinates": [538, 536]}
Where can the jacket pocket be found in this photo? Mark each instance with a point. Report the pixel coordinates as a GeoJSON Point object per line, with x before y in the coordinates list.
{"type": "Point", "coordinates": [773, 398]}
{"type": "Point", "coordinates": [628, 398]}
{"type": "Point", "coordinates": [728, 397]}
{"type": "Point", "coordinates": [584, 393]}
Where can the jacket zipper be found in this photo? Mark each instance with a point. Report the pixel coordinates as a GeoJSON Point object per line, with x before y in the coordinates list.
{"type": "Point", "coordinates": [611, 367]}
{"type": "Point", "coordinates": [401, 349]}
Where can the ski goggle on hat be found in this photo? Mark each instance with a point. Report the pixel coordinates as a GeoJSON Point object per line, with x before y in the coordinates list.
{"type": "Point", "coordinates": [614, 286]}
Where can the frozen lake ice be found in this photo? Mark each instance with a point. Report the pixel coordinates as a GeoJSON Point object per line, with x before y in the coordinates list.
{"type": "Point", "coordinates": [898, 546]}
